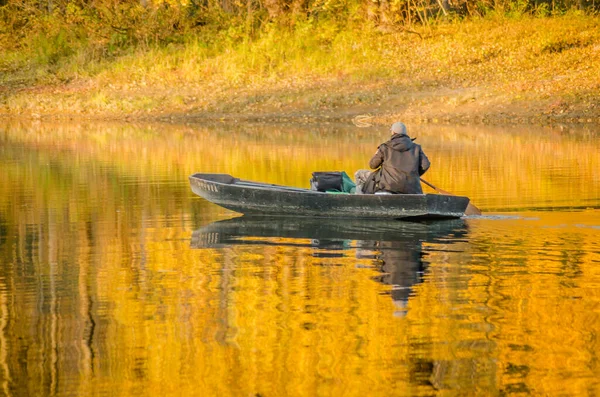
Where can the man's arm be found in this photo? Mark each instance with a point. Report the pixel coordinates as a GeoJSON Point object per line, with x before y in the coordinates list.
{"type": "Point", "coordinates": [424, 162]}
{"type": "Point", "coordinates": [377, 159]}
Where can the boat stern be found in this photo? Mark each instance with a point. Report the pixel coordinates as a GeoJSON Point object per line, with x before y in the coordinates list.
{"type": "Point", "coordinates": [442, 206]}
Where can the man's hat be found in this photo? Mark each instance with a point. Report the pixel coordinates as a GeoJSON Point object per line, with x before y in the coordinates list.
{"type": "Point", "coordinates": [398, 128]}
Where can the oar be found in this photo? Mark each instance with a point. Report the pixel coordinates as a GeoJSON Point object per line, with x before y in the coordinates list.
{"type": "Point", "coordinates": [471, 209]}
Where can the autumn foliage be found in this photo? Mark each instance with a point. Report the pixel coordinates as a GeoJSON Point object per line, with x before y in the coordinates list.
{"type": "Point", "coordinates": [115, 59]}
{"type": "Point", "coordinates": [58, 27]}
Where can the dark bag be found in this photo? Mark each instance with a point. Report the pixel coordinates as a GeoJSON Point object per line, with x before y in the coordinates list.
{"type": "Point", "coordinates": [372, 183]}
{"type": "Point", "coordinates": [324, 181]}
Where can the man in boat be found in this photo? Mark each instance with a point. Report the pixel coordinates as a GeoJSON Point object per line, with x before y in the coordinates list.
{"type": "Point", "coordinates": [399, 163]}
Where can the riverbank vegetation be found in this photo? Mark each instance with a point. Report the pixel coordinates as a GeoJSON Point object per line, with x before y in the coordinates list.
{"type": "Point", "coordinates": [300, 59]}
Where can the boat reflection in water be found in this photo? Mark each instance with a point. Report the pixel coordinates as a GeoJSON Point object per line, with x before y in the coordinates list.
{"type": "Point", "coordinates": [395, 247]}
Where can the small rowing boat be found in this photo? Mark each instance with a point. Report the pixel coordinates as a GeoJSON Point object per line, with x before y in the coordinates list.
{"type": "Point", "coordinates": [255, 198]}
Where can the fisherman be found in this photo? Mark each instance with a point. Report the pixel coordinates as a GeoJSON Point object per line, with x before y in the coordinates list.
{"type": "Point", "coordinates": [399, 163]}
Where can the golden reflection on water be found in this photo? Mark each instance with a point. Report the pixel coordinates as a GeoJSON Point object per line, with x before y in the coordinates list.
{"type": "Point", "coordinates": [498, 168]}
{"type": "Point", "coordinates": [108, 286]}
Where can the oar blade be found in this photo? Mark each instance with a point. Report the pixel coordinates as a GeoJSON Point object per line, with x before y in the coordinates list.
{"type": "Point", "coordinates": [472, 210]}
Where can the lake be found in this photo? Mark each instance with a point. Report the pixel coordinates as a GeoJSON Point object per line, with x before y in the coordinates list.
{"type": "Point", "coordinates": [116, 280]}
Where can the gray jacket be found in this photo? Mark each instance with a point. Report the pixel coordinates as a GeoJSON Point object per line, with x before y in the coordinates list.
{"type": "Point", "coordinates": [402, 162]}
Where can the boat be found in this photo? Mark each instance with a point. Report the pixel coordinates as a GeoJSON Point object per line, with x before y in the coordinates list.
{"type": "Point", "coordinates": [255, 198]}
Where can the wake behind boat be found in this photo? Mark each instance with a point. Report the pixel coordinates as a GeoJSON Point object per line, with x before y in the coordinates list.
{"type": "Point", "coordinates": [255, 198]}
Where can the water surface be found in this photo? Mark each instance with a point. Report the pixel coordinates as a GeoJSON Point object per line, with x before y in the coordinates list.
{"type": "Point", "coordinates": [116, 280]}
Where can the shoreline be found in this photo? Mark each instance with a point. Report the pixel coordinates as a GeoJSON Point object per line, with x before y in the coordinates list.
{"type": "Point", "coordinates": [526, 113]}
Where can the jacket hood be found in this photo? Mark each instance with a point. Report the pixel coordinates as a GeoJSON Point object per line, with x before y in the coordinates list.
{"type": "Point", "coordinates": [400, 143]}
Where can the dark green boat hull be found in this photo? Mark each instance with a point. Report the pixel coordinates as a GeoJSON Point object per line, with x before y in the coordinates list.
{"type": "Point", "coordinates": [253, 198]}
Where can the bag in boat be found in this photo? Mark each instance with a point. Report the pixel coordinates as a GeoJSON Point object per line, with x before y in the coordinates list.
{"type": "Point", "coordinates": [331, 181]}
{"type": "Point", "coordinates": [324, 181]}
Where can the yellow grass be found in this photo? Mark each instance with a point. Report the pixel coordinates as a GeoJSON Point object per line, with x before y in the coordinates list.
{"type": "Point", "coordinates": [541, 68]}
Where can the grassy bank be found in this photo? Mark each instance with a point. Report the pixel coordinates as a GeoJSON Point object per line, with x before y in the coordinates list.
{"type": "Point", "coordinates": [495, 69]}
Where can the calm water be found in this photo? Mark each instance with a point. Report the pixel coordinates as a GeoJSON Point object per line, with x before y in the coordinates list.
{"type": "Point", "coordinates": [116, 280]}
